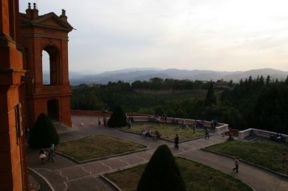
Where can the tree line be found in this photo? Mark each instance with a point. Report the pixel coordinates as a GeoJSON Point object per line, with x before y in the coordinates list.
{"type": "Point", "coordinates": [251, 103]}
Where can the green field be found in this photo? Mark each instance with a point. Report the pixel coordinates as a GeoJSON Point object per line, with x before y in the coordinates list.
{"type": "Point", "coordinates": [196, 177]}
{"type": "Point", "coordinates": [167, 131]}
{"type": "Point", "coordinates": [97, 146]}
{"type": "Point", "coordinates": [263, 152]}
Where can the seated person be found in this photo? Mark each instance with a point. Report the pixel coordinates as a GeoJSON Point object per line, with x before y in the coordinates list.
{"type": "Point", "coordinates": [146, 133]}
{"type": "Point", "coordinates": [42, 155]}
{"type": "Point", "coordinates": [277, 137]}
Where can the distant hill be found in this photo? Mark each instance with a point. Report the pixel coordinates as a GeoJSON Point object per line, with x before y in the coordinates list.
{"type": "Point", "coordinates": [131, 75]}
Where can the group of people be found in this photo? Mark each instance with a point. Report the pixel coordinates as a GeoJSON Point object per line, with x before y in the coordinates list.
{"type": "Point", "coordinates": [277, 137]}
{"type": "Point", "coordinates": [47, 154]}
{"type": "Point", "coordinates": [150, 133]}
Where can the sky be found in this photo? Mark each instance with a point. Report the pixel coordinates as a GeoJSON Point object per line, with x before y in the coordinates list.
{"type": "Point", "coordinates": [221, 35]}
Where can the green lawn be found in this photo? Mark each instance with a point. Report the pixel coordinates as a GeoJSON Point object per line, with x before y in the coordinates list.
{"type": "Point", "coordinates": [196, 177]}
{"type": "Point", "coordinates": [263, 152]}
{"type": "Point", "coordinates": [97, 146]}
{"type": "Point", "coordinates": [167, 131]}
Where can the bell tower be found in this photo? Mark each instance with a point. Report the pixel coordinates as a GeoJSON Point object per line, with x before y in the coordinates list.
{"type": "Point", "coordinates": [45, 45]}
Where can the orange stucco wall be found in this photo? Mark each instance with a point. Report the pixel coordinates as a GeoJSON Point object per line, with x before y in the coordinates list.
{"type": "Point", "coordinates": [34, 40]}
{"type": "Point", "coordinates": [12, 159]}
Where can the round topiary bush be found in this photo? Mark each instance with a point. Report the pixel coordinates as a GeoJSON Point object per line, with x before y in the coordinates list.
{"type": "Point", "coordinates": [43, 134]}
{"type": "Point", "coordinates": [161, 173]}
{"type": "Point", "coordinates": [118, 118]}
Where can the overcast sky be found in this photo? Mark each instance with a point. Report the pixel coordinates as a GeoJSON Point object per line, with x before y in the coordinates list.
{"type": "Point", "coordinates": [226, 35]}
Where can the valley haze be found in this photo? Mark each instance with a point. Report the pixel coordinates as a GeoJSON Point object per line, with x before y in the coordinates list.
{"type": "Point", "coordinates": [144, 74]}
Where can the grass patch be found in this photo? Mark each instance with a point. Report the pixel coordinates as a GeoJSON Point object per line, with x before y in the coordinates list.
{"type": "Point", "coordinates": [97, 146]}
{"type": "Point", "coordinates": [196, 177]}
{"type": "Point", "coordinates": [167, 131]}
{"type": "Point", "coordinates": [262, 152]}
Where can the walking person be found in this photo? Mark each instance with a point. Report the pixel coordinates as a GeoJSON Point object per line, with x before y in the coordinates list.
{"type": "Point", "coordinates": [236, 165]}
{"type": "Point", "coordinates": [206, 133]}
{"type": "Point", "coordinates": [284, 158]}
{"type": "Point", "coordinates": [104, 122]}
{"type": "Point", "coordinates": [51, 153]}
{"type": "Point", "coordinates": [176, 142]}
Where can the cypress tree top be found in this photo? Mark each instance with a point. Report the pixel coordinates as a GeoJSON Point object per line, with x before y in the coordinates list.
{"type": "Point", "coordinates": [161, 173]}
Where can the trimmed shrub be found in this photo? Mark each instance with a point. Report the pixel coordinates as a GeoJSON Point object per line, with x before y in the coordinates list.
{"type": "Point", "coordinates": [161, 173]}
{"type": "Point", "coordinates": [43, 134]}
{"type": "Point", "coordinates": [118, 118]}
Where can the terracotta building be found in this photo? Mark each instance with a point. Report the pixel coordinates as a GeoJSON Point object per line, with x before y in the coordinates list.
{"type": "Point", "coordinates": [24, 94]}
{"type": "Point", "coordinates": [12, 157]}
{"type": "Point", "coordinates": [45, 91]}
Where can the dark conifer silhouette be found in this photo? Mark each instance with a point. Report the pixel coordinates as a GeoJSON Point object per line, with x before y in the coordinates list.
{"type": "Point", "coordinates": [43, 133]}
{"type": "Point", "coordinates": [161, 173]}
{"type": "Point", "coordinates": [118, 118]}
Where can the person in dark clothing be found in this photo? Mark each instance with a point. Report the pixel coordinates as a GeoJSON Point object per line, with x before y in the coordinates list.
{"type": "Point", "coordinates": [206, 133]}
{"type": "Point", "coordinates": [284, 159]}
{"type": "Point", "coordinates": [157, 134]}
{"type": "Point", "coordinates": [176, 142]}
{"type": "Point", "coordinates": [51, 153]}
{"type": "Point", "coordinates": [236, 163]}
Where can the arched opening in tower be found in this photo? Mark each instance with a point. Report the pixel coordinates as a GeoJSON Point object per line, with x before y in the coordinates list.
{"type": "Point", "coordinates": [53, 109]}
{"type": "Point", "coordinates": [50, 66]}
{"type": "Point", "coordinates": [46, 73]}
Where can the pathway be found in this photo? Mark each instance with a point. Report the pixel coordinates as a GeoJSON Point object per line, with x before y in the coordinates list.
{"type": "Point", "coordinates": [66, 175]}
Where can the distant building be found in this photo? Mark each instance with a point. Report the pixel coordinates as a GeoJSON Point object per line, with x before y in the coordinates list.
{"type": "Point", "coordinates": [221, 84]}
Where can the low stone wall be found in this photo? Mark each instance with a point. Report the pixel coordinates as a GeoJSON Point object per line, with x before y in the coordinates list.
{"type": "Point", "coordinates": [142, 118]}
{"type": "Point", "coordinates": [101, 113]}
{"type": "Point", "coordinates": [221, 128]}
{"type": "Point", "coordinates": [245, 133]}
{"type": "Point", "coordinates": [139, 117]}
{"type": "Point", "coordinates": [90, 113]}
{"type": "Point", "coordinates": [258, 132]}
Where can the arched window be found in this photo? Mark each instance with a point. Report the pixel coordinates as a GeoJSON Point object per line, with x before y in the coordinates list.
{"type": "Point", "coordinates": [50, 66]}
{"type": "Point", "coordinates": [46, 72]}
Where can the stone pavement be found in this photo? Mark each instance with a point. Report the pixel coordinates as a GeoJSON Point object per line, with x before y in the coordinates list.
{"type": "Point", "coordinates": [253, 176]}
{"type": "Point", "coordinates": [66, 175]}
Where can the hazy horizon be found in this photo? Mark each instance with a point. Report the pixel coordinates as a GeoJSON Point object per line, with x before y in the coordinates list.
{"type": "Point", "coordinates": [160, 69]}
{"type": "Point", "coordinates": [224, 35]}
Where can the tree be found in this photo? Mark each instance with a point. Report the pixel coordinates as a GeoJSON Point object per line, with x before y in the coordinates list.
{"type": "Point", "coordinates": [118, 118]}
{"type": "Point", "coordinates": [43, 133]}
{"type": "Point", "coordinates": [210, 96]}
{"type": "Point", "coordinates": [272, 109]}
{"type": "Point", "coordinates": [159, 111]}
{"type": "Point", "coordinates": [161, 173]}
{"type": "Point", "coordinates": [268, 80]}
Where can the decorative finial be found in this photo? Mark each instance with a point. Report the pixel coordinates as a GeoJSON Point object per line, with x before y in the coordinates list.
{"type": "Point", "coordinates": [34, 6]}
{"type": "Point", "coordinates": [63, 15]}
{"type": "Point", "coordinates": [29, 5]}
{"type": "Point", "coordinates": [63, 12]}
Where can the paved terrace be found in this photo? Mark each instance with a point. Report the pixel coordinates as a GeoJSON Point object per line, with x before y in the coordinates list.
{"type": "Point", "coordinates": [66, 175]}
